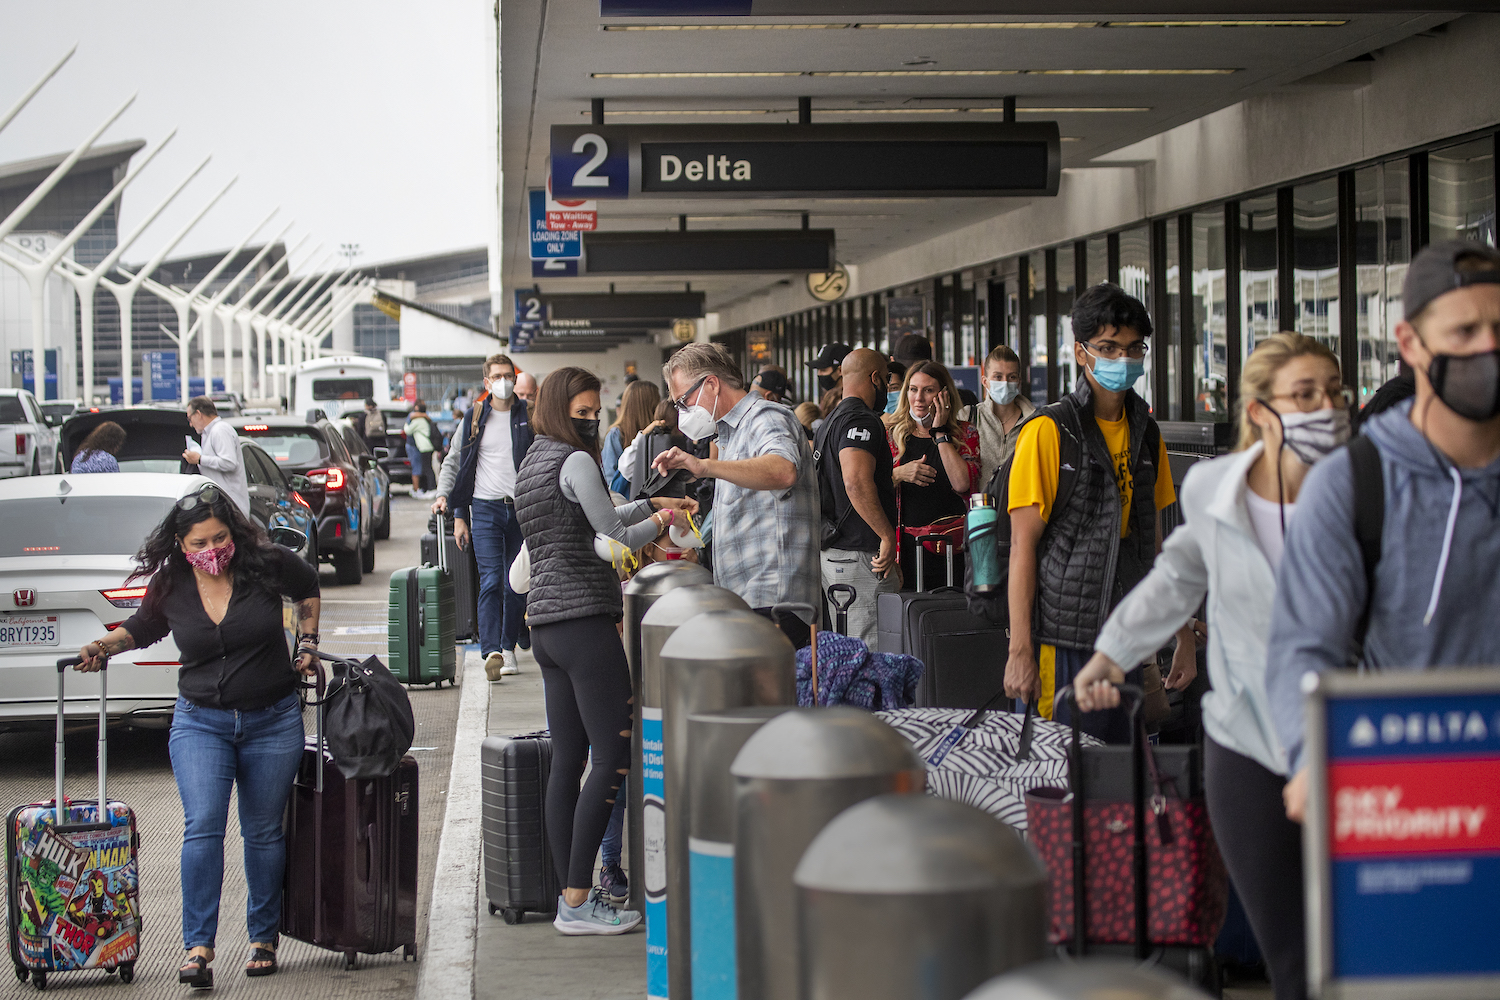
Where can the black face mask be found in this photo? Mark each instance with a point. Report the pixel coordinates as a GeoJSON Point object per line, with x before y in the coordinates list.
{"type": "Point", "coordinates": [1468, 384]}
{"type": "Point", "coordinates": [588, 430]}
{"type": "Point", "coordinates": [826, 382]}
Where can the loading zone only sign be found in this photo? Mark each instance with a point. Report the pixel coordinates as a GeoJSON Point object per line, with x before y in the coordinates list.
{"type": "Point", "coordinates": [549, 244]}
{"type": "Point", "coordinates": [1403, 838]}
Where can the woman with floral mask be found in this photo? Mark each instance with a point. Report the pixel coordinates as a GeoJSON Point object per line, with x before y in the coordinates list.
{"type": "Point", "coordinates": [1294, 410]}
{"type": "Point", "coordinates": [937, 467]}
{"type": "Point", "coordinates": [216, 584]}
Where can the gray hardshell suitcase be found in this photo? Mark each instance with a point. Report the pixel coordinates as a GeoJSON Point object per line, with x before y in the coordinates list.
{"type": "Point", "coordinates": [519, 875]}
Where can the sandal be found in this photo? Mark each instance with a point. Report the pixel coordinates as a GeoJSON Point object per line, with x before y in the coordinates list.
{"type": "Point", "coordinates": [196, 973]}
{"type": "Point", "coordinates": [261, 954]}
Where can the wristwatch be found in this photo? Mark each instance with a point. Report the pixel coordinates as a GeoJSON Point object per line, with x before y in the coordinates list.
{"type": "Point", "coordinates": [942, 439]}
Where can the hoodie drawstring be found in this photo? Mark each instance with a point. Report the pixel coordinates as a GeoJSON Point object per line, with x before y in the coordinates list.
{"type": "Point", "coordinates": [1437, 584]}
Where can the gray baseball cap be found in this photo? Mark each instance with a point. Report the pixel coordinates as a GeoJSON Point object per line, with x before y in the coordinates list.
{"type": "Point", "coordinates": [1435, 271]}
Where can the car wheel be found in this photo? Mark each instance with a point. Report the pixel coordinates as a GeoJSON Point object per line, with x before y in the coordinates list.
{"type": "Point", "coordinates": [383, 529]}
{"type": "Point", "coordinates": [348, 566]}
{"type": "Point", "coordinates": [367, 556]}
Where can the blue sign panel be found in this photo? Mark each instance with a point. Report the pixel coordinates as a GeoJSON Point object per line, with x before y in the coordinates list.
{"type": "Point", "coordinates": [554, 268]}
{"type": "Point", "coordinates": [20, 363]}
{"type": "Point", "coordinates": [529, 307]}
{"type": "Point", "coordinates": [546, 243]}
{"type": "Point", "coordinates": [162, 366]}
{"type": "Point", "coordinates": [591, 164]}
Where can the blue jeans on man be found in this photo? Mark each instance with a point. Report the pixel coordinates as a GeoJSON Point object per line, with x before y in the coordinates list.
{"type": "Point", "coordinates": [497, 539]}
{"type": "Point", "coordinates": [214, 750]}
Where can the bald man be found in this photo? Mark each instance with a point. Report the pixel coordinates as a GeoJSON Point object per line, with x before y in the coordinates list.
{"type": "Point", "coordinates": [860, 548]}
{"type": "Point", "coordinates": [525, 387]}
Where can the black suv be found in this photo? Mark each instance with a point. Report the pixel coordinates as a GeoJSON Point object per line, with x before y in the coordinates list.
{"type": "Point", "coordinates": [338, 486]}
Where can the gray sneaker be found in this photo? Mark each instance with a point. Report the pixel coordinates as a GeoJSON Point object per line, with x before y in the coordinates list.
{"type": "Point", "coordinates": [510, 666]}
{"type": "Point", "coordinates": [595, 915]}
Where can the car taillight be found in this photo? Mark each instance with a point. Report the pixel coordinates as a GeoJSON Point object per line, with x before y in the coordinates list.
{"type": "Point", "coordinates": [329, 479]}
{"type": "Point", "coordinates": [125, 597]}
{"type": "Point", "coordinates": [20, 444]}
{"type": "Point", "coordinates": [297, 498]}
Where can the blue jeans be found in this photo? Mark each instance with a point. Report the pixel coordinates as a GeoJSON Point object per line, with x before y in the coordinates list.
{"type": "Point", "coordinates": [214, 750]}
{"type": "Point", "coordinates": [497, 539]}
{"type": "Point", "coordinates": [609, 847]}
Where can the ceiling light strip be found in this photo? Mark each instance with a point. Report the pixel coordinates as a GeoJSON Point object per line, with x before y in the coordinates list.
{"type": "Point", "coordinates": [749, 74]}
{"type": "Point", "coordinates": [669, 112]}
{"type": "Point", "coordinates": [986, 25]}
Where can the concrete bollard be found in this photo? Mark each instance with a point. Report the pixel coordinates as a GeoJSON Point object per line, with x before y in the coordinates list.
{"type": "Point", "coordinates": [795, 775]}
{"type": "Point", "coordinates": [715, 661]}
{"type": "Point", "coordinates": [915, 896]}
{"type": "Point", "coordinates": [714, 739]}
{"type": "Point", "coordinates": [1088, 979]}
{"type": "Point", "coordinates": [670, 611]}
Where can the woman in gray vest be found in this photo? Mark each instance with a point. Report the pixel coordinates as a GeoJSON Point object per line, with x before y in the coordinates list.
{"type": "Point", "coordinates": [573, 607]}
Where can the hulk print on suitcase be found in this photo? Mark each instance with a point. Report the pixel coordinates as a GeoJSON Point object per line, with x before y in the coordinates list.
{"type": "Point", "coordinates": [75, 893]}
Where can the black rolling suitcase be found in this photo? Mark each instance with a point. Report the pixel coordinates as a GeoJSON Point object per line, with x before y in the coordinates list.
{"type": "Point", "coordinates": [351, 872]}
{"type": "Point", "coordinates": [464, 569]}
{"type": "Point", "coordinates": [964, 655]}
{"type": "Point", "coordinates": [519, 874]}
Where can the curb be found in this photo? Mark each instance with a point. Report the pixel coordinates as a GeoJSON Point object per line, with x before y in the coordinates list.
{"type": "Point", "coordinates": [453, 917]}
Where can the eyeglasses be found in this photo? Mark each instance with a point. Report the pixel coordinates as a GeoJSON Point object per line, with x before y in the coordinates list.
{"type": "Point", "coordinates": [206, 495]}
{"type": "Point", "coordinates": [1311, 398]}
{"type": "Point", "coordinates": [681, 401]}
{"type": "Point", "coordinates": [1112, 351]}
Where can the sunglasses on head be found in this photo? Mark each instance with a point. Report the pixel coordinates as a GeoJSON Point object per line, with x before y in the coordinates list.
{"type": "Point", "coordinates": [206, 495]}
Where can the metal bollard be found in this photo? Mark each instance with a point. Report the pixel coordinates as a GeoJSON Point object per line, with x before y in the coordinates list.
{"type": "Point", "coordinates": [713, 741]}
{"type": "Point", "coordinates": [793, 777]}
{"type": "Point", "coordinates": [912, 895]}
{"type": "Point", "coordinates": [643, 591]}
{"type": "Point", "coordinates": [1088, 979]}
{"type": "Point", "coordinates": [715, 661]}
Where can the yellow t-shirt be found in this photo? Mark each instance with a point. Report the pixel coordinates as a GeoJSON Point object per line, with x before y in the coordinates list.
{"type": "Point", "coordinates": [1034, 473]}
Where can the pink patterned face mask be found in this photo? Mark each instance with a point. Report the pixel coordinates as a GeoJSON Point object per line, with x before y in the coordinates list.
{"type": "Point", "coordinates": [213, 561]}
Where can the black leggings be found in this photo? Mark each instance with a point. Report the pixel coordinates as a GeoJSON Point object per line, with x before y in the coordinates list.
{"type": "Point", "coordinates": [587, 686]}
{"type": "Point", "coordinates": [1263, 851]}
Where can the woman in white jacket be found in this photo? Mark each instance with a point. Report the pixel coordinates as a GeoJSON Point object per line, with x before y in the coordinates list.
{"type": "Point", "coordinates": [1294, 410]}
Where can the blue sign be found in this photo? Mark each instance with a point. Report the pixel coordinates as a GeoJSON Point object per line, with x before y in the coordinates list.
{"type": "Point", "coordinates": [554, 268]}
{"type": "Point", "coordinates": [529, 308]}
{"type": "Point", "coordinates": [20, 363]}
{"type": "Point", "coordinates": [654, 878]}
{"type": "Point", "coordinates": [591, 162]}
{"type": "Point", "coordinates": [162, 366]}
{"type": "Point", "coordinates": [520, 338]}
{"type": "Point", "coordinates": [547, 243]}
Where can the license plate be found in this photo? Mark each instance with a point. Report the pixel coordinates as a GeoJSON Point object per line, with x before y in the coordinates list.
{"type": "Point", "coordinates": [28, 630]}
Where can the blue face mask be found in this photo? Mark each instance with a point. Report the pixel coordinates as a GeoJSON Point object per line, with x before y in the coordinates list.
{"type": "Point", "coordinates": [891, 399]}
{"type": "Point", "coordinates": [1118, 374]}
{"type": "Point", "coordinates": [1004, 393]}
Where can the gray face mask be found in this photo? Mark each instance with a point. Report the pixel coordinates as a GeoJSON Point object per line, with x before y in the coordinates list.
{"type": "Point", "coordinates": [1311, 436]}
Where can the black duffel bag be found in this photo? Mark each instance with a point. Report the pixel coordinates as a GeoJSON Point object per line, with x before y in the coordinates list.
{"type": "Point", "coordinates": [368, 724]}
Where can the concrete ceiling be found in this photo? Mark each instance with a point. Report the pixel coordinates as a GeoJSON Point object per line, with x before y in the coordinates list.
{"type": "Point", "coordinates": [556, 57]}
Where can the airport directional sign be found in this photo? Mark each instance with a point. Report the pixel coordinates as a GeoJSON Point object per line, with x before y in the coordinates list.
{"type": "Point", "coordinates": [915, 160]}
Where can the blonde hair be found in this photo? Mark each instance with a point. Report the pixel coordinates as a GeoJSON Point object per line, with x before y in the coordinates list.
{"type": "Point", "coordinates": [1269, 357]}
{"type": "Point", "coordinates": [807, 413]}
{"type": "Point", "coordinates": [899, 424]}
{"type": "Point", "coordinates": [637, 409]}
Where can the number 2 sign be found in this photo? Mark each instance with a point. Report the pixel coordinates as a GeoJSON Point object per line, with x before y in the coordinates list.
{"type": "Point", "coordinates": [590, 161]}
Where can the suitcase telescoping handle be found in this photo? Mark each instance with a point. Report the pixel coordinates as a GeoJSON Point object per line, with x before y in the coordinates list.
{"type": "Point", "coordinates": [62, 669]}
{"type": "Point", "coordinates": [1134, 698]}
{"type": "Point", "coordinates": [946, 545]}
{"type": "Point", "coordinates": [791, 608]}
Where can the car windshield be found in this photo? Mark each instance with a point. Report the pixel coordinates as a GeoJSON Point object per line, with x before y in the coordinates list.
{"type": "Point", "coordinates": [343, 388]}
{"type": "Point", "coordinates": [290, 445]}
{"type": "Point", "coordinates": [65, 526]}
{"type": "Point", "coordinates": [11, 411]}
{"type": "Point", "coordinates": [58, 409]}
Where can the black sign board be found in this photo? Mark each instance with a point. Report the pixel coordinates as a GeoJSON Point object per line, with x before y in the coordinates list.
{"type": "Point", "coordinates": [986, 159]}
{"type": "Point", "coordinates": [650, 308]}
{"type": "Point", "coordinates": [723, 251]}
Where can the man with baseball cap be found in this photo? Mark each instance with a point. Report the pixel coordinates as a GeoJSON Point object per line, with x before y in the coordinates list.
{"type": "Point", "coordinates": [828, 366]}
{"type": "Point", "coordinates": [1422, 592]}
{"type": "Point", "coordinates": [773, 385]}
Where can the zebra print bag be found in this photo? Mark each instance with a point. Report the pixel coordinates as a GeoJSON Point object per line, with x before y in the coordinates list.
{"type": "Point", "coordinates": [993, 762]}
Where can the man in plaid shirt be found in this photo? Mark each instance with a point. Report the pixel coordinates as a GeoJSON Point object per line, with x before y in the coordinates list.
{"type": "Point", "coordinates": [766, 513]}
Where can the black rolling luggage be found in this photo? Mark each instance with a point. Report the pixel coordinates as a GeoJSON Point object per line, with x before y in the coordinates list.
{"type": "Point", "coordinates": [519, 874]}
{"type": "Point", "coordinates": [351, 873]}
{"type": "Point", "coordinates": [465, 572]}
{"type": "Point", "coordinates": [964, 655]}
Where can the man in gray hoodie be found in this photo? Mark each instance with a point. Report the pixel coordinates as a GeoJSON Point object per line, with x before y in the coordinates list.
{"type": "Point", "coordinates": [1436, 586]}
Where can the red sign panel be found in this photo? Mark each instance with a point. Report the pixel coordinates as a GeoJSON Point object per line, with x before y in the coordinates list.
{"type": "Point", "coordinates": [1414, 807]}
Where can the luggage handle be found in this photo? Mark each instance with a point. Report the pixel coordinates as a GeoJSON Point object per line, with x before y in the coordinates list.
{"type": "Point", "coordinates": [58, 814]}
{"type": "Point", "coordinates": [841, 619]}
{"type": "Point", "coordinates": [792, 607]}
{"type": "Point", "coordinates": [947, 548]}
{"type": "Point", "coordinates": [1136, 698]}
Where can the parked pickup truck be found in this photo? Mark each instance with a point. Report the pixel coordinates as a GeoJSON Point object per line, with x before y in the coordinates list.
{"type": "Point", "coordinates": [28, 446]}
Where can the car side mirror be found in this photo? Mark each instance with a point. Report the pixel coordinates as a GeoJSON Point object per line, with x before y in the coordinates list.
{"type": "Point", "coordinates": [382, 454]}
{"type": "Point", "coordinates": [298, 483]}
{"type": "Point", "coordinates": [289, 538]}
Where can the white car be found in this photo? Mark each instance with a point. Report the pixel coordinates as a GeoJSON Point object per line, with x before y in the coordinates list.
{"type": "Point", "coordinates": [28, 444]}
{"type": "Point", "coordinates": [65, 553]}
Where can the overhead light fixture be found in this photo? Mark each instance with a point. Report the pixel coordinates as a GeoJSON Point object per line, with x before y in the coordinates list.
{"type": "Point", "coordinates": [740, 74]}
{"type": "Point", "coordinates": [1222, 24]}
{"type": "Point", "coordinates": [985, 25]}
{"type": "Point", "coordinates": [723, 27]}
{"type": "Point", "coordinates": [1128, 72]}
{"type": "Point", "coordinates": [977, 25]}
{"type": "Point", "coordinates": [667, 112]}
{"type": "Point", "coordinates": [914, 72]}
{"type": "Point", "coordinates": [687, 75]}
{"type": "Point", "coordinates": [673, 112]}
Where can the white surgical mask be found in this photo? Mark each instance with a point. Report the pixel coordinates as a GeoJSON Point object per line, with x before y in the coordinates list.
{"type": "Point", "coordinates": [697, 422]}
{"type": "Point", "coordinates": [502, 387]}
{"type": "Point", "coordinates": [1004, 393]}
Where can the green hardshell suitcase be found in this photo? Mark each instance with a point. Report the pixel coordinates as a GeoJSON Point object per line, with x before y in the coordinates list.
{"type": "Point", "coordinates": [423, 625]}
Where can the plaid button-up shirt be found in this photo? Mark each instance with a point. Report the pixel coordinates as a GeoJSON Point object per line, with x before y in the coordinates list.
{"type": "Point", "coordinates": [765, 541]}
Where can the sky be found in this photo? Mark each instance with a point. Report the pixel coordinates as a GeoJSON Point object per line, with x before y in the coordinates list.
{"type": "Point", "coordinates": [365, 122]}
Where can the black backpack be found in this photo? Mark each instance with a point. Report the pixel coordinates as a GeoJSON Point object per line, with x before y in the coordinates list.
{"type": "Point", "coordinates": [1369, 522]}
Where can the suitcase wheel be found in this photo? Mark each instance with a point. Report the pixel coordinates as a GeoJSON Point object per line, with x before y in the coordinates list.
{"type": "Point", "coordinates": [39, 979]}
{"type": "Point", "coordinates": [493, 910]}
{"type": "Point", "coordinates": [23, 974]}
{"type": "Point", "coordinates": [350, 957]}
{"type": "Point", "coordinates": [512, 916]}
{"type": "Point", "coordinates": [127, 974]}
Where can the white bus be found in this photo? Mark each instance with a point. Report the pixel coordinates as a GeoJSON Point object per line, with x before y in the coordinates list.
{"type": "Point", "coordinates": [338, 384]}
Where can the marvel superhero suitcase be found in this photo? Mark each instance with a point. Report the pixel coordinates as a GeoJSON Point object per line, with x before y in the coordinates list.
{"type": "Point", "coordinates": [519, 874]}
{"type": "Point", "coordinates": [351, 870]}
{"type": "Point", "coordinates": [74, 879]}
{"type": "Point", "coordinates": [464, 569]}
{"type": "Point", "coordinates": [421, 642]}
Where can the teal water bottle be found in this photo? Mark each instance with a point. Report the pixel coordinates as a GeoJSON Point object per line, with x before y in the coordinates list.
{"type": "Point", "coordinates": [984, 551]}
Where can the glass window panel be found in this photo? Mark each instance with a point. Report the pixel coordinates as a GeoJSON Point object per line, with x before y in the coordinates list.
{"type": "Point", "coordinates": [1098, 260]}
{"type": "Point", "coordinates": [1315, 260]}
{"type": "Point", "coordinates": [1210, 320]}
{"type": "Point", "coordinates": [1006, 312]}
{"type": "Point", "coordinates": [968, 336]}
{"type": "Point", "coordinates": [1461, 192]}
{"type": "Point", "coordinates": [1066, 294]}
{"type": "Point", "coordinates": [1135, 278]}
{"type": "Point", "coordinates": [1258, 271]}
{"type": "Point", "coordinates": [1038, 294]}
{"type": "Point", "coordinates": [1382, 248]}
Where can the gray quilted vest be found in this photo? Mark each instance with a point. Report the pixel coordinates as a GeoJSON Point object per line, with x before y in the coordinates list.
{"type": "Point", "coordinates": [568, 580]}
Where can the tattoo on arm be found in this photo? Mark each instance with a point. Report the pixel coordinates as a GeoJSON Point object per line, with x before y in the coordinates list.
{"type": "Point", "coordinates": [117, 641]}
{"type": "Point", "coordinates": [307, 614]}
